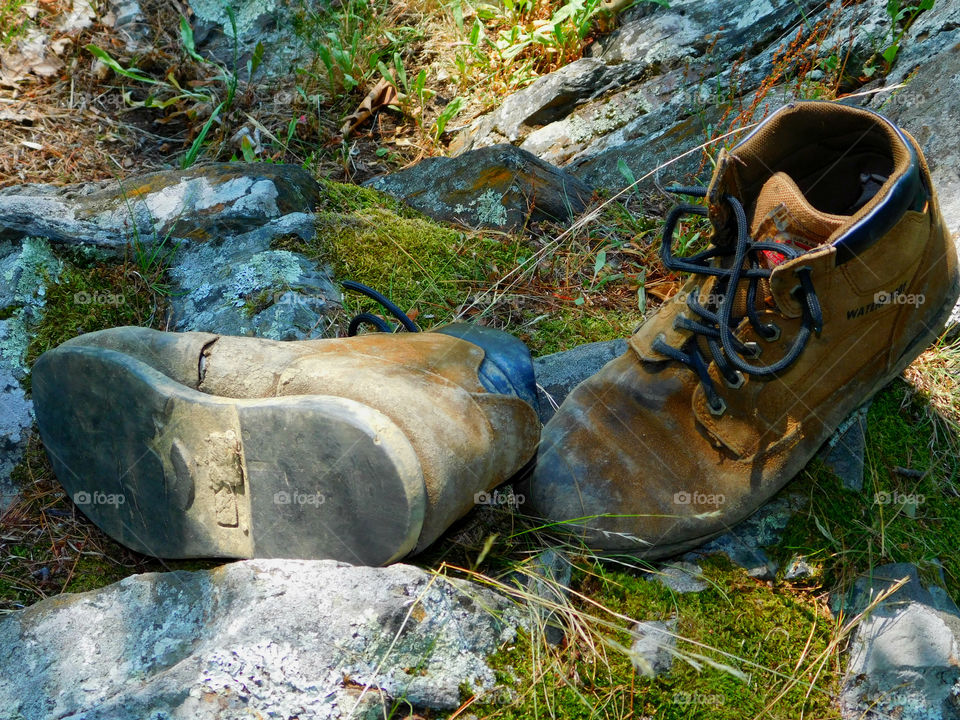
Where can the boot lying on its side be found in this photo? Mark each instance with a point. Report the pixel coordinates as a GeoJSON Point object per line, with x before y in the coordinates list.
{"type": "Point", "coordinates": [361, 449]}
{"type": "Point", "coordinates": [830, 270]}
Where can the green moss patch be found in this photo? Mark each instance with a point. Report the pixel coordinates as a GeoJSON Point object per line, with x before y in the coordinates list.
{"type": "Point", "coordinates": [570, 326]}
{"type": "Point", "coordinates": [897, 517]}
{"type": "Point", "coordinates": [439, 273]}
{"type": "Point", "coordinates": [93, 298]}
{"type": "Point", "coordinates": [762, 632]}
{"type": "Point", "coordinates": [429, 270]}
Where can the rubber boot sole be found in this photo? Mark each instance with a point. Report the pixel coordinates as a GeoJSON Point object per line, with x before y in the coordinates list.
{"type": "Point", "coordinates": [175, 473]}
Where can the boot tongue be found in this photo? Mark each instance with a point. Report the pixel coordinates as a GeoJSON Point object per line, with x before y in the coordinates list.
{"type": "Point", "coordinates": [783, 215]}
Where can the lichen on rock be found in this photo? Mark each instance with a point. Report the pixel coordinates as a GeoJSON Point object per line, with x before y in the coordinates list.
{"type": "Point", "coordinates": [25, 269]}
{"type": "Point", "coordinates": [242, 286]}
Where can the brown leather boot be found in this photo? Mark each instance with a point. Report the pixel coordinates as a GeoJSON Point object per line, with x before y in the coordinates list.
{"type": "Point", "coordinates": [360, 449]}
{"type": "Point", "coordinates": [830, 270]}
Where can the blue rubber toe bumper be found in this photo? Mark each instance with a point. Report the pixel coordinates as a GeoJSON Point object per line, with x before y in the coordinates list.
{"type": "Point", "coordinates": [507, 367]}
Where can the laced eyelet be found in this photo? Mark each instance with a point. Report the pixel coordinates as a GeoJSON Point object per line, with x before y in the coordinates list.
{"type": "Point", "coordinates": [735, 385]}
{"type": "Point", "coordinates": [718, 322]}
{"type": "Point", "coordinates": [754, 350]}
{"type": "Point", "coordinates": [719, 409]}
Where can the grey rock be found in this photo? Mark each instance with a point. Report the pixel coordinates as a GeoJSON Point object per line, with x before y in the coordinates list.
{"type": "Point", "coordinates": [844, 452]}
{"type": "Point", "coordinates": [713, 30]}
{"type": "Point", "coordinates": [499, 187]}
{"type": "Point", "coordinates": [652, 647]}
{"type": "Point", "coordinates": [559, 373]}
{"type": "Point", "coordinates": [798, 569]}
{"type": "Point", "coordinates": [744, 544]}
{"type": "Point", "coordinates": [172, 206]}
{"type": "Point", "coordinates": [869, 585]}
{"type": "Point", "coordinates": [218, 222]}
{"type": "Point", "coordinates": [16, 419]}
{"type": "Point", "coordinates": [261, 638]}
{"type": "Point", "coordinates": [922, 107]}
{"type": "Point", "coordinates": [25, 270]}
{"type": "Point", "coordinates": [548, 99]}
{"type": "Point", "coordinates": [691, 37]}
{"type": "Point", "coordinates": [240, 286]}
{"type": "Point", "coordinates": [930, 60]}
{"type": "Point", "coordinates": [904, 657]}
{"type": "Point", "coordinates": [691, 56]}
{"type": "Point", "coordinates": [257, 21]}
{"type": "Point", "coordinates": [648, 90]}
{"type": "Point", "coordinates": [681, 577]}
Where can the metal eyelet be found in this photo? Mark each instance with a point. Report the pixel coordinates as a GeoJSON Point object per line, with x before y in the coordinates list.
{"type": "Point", "coordinates": [719, 409]}
{"type": "Point", "coordinates": [776, 333]}
{"type": "Point", "coordinates": [738, 384]}
{"type": "Point", "coordinates": [754, 350]}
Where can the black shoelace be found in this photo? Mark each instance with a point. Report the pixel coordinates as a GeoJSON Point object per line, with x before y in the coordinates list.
{"type": "Point", "coordinates": [730, 354]}
{"type": "Point", "coordinates": [371, 319]}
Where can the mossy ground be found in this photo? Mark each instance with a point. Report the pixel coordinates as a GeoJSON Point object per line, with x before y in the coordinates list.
{"type": "Point", "coordinates": [95, 297]}
{"type": "Point", "coordinates": [897, 517]}
{"type": "Point", "coordinates": [786, 637]}
{"type": "Point", "coordinates": [553, 295]}
{"type": "Point", "coordinates": [763, 632]}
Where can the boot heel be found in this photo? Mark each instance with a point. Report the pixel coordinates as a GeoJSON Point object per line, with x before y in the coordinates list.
{"type": "Point", "coordinates": [172, 472]}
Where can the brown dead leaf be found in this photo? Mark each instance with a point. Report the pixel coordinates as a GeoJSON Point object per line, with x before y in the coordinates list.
{"type": "Point", "coordinates": [382, 94]}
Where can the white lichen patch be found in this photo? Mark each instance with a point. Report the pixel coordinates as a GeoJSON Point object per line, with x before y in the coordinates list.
{"type": "Point", "coordinates": [265, 270]}
{"type": "Point", "coordinates": [25, 272]}
{"type": "Point", "coordinates": [751, 13]}
{"type": "Point", "coordinates": [490, 209]}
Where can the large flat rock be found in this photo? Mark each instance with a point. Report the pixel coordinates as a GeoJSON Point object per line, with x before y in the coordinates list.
{"type": "Point", "coordinates": [269, 639]}
{"type": "Point", "coordinates": [171, 206]}
{"type": "Point", "coordinates": [905, 656]}
{"type": "Point", "coordinates": [499, 187]}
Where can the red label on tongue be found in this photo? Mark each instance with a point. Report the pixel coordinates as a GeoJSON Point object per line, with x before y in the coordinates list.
{"type": "Point", "coordinates": [772, 258]}
{"type": "Point", "coordinates": [778, 226]}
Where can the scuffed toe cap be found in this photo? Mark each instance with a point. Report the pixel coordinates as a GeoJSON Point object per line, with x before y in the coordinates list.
{"type": "Point", "coordinates": [577, 500]}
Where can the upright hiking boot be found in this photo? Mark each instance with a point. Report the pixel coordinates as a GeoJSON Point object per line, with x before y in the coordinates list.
{"type": "Point", "coordinates": [362, 449]}
{"type": "Point", "coordinates": [830, 269]}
